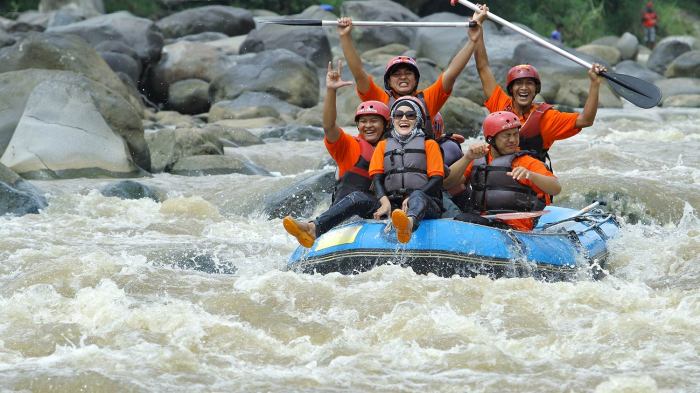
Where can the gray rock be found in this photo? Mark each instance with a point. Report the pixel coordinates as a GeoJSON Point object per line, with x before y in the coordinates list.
{"type": "Point", "coordinates": [140, 34]}
{"type": "Point", "coordinates": [682, 100]}
{"type": "Point", "coordinates": [231, 21]}
{"type": "Point", "coordinates": [104, 106]}
{"type": "Point", "coordinates": [609, 54]}
{"type": "Point", "coordinates": [233, 137]}
{"type": "Point", "coordinates": [628, 45]}
{"type": "Point", "coordinates": [190, 96]}
{"type": "Point", "coordinates": [374, 37]}
{"type": "Point", "coordinates": [251, 104]}
{"type": "Point", "coordinates": [295, 133]}
{"type": "Point", "coordinates": [608, 40]}
{"type": "Point", "coordinates": [17, 196]}
{"type": "Point", "coordinates": [129, 189]}
{"type": "Point", "coordinates": [199, 37]}
{"type": "Point", "coordinates": [168, 146]}
{"type": "Point", "coordinates": [278, 72]}
{"type": "Point", "coordinates": [310, 43]}
{"type": "Point", "coordinates": [463, 117]}
{"type": "Point", "coordinates": [632, 68]}
{"type": "Point", "coordinates": [440, 47]}
{"type": "Point", "coordinates": [211, 165]}
{"type": "Point", "coordinates": [574, 93]}
{"type": "Point", "coordinates": [685, 65]}
{"type": "Point", "coordinates": [186, 60]}
{"type": "Point", "coordinates": [678, 86]}
{"type": "Point", "coordinates": [301, 198]}
{"type": "Point", "coordinates": [123, 63]}
{"type": "Point", "coordinates": [665, 52]}
{"type": "Point", "coordinates": [60, 52]}
{"type": "Point", "coordinates": [62, 133]}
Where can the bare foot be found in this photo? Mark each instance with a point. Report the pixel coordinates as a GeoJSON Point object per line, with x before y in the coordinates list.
{"type": "Point", "coordinates": [305, 232]}
{"type": "Point", "coordinates": [403, 225]}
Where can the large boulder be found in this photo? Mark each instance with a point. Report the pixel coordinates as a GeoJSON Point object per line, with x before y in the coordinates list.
{"type": "Point", "coordinates": [440, 47]}
{"type": "Point", "coordinates": [252, 104]}
{"type": "Point", "coordinates": [310, 43]}
{"type": "Point", "coordinates": [61, 52]}
{"type": "Point", "coordinates": [678, 86]}
{"type": "Point", "coordinates": [62, 133]}
{"type": "Point", "coordinates": [609, 54]}
{"type": "Point", "coordinates": [186, 60]}
{"type": "Point", "coordinates": [574, 93]}
{"type": "Point", "coordinates": [190, 96]}
{"type": "Point", "coordinates": [139, 34]}
{"type": "Point", "coordinates": [666, 51]}
{"type": "Point", "coordinates": [685, 65]}
{"type": "Point", "coordinates": [374, 37]}
{"type": "Point", "coordinates": [632, 68]}
{"type": "Point", "coordinates": [168, 146]}
{"type": "Point", "coordinates": [81, 114]}
{"type": "Point", "coordinates": [278, 72]}
{"type": "Point", "coordinates": [628, 45]}
{"type": "Point", "coordinates": [231, 21]}
{"type": "Point", "coordinates": [18, 196]}
{"type": "Point", "coordinates": [462, 116]}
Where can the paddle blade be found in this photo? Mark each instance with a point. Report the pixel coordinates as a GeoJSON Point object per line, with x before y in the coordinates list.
{"type": "Point", "coordinates": [639, 92]}
{"type": "Point", "coordinates": [295, 22]}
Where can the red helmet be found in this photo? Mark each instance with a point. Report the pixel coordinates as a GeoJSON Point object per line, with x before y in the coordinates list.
{"type": "Point", "coordinates": [397, 61]}
{"type": "Point", "coordinates": [373, 108]}
{"type": "Point", "coordinates": [499, 121]}
{"type": "Point", "coordinates": [438, 125]}
{"type": "Point", "coordinates": [522, 71]}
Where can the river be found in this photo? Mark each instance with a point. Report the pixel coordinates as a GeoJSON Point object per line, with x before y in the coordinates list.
{"type": "Point", "coordinates": [99, 294]}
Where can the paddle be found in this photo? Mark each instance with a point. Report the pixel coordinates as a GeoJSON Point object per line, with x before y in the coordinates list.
{"type": "Point", "coordinates": [639, 92]}
{"type": "Point", "coordinates": [516, 216]}
{"type": "Point", "coordinates": [364, 23]}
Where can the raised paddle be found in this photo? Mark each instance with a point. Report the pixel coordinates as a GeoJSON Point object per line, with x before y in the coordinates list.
{"type": "Point", "coordinates": [364, 23]}
{"type": "Point", "coordinates": [639, 92]}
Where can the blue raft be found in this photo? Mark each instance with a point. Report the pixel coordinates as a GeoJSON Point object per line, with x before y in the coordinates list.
{"type": "Point", "coordinates": [561, 244]}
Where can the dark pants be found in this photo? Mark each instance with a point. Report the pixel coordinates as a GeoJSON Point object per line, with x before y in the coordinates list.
{"type": "Point", "coordinates": [420, 206]}
{"type": "Point", "coordinates": [356, 203]}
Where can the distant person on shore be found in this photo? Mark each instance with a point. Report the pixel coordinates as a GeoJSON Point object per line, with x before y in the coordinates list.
{"type": "Point", "coordinates": [401, 74]}
{"type": "Point", "coordinates": [352, 195]}
{"type": "Point", "coordinates": [501, 177]}
{"type": "Point", "coordinates": [541, 124]}
{"type": "Point", "coordinates": [556, 34]}
{"type": "Point", "coordinates": [649, 20]}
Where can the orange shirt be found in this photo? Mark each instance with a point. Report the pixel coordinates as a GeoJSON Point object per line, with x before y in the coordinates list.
{"type": "Point", "coordinates": [530, 163]}
{"type": "Point", "coordinates": [432, 156]}
{"type": "Point", "coordinates": [554, 125]}
{"type": "Point", "coordinates": [434, 95]}
{"type": "Point", "coordinates": [345, 151]}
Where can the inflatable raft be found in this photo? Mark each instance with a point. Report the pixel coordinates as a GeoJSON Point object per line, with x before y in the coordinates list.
{"type": "Point", "coordinates": [564, 244]}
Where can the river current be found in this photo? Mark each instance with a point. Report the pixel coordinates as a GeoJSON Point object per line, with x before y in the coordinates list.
{"type": "Point", "coordinates": [99, 294]}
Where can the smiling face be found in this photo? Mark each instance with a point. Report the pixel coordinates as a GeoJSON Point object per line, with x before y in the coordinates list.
{"type": "Point", "coordinates": [402, 80]}
{"type": "Point", "coordinates": [404, 119]}
{"type": "Point", "coordinates": [507, 141]}
{"type": "Point", "coordinates": [523, 91]}
{"type": "Point", "coordinates": [371, 127]}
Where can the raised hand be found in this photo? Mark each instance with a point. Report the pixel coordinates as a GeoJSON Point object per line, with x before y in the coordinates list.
{"type": "Point", "coordinates": [594, 73]}
{"type": "Point", "coordinates": [475, 33]}
{"type": "Point", "coordinates": [333, 77]}
{"type": "Point", "coordinates": [477, 150]}
{"type": "Point", "coordinates": [344, 26]}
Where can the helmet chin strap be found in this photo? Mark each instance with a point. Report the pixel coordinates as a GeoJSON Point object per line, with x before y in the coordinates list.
{"type": "Point", "coordinates": [492, 142]}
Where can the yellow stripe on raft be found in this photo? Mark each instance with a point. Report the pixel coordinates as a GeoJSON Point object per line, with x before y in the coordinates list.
{"type": "Point", "coordinates": [339, 236]}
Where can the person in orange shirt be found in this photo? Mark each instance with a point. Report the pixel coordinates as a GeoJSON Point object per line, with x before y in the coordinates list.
{"type": "Point", "coordinates": [542, 125]}
{"type": "Point", "coordinates": [407, 170]}
{"type": "Point", "coordinates": [649, 19]}
{"type": "Point", "coordinates": [503, 178]}
{"type": "Point", "coordinates": [352, 195]}
{"type": "Point", "coordinates": [401, 74]}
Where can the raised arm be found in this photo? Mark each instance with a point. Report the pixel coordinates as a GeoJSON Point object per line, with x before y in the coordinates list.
{"type": "Point", "coordinates": [590, 108]}
{"type": "Point", "coordinates": [457, 169]}
{"type": "Point", "coordinates": [330, 114]}
{"type": "Point", "coordinates": [462, 57]}
{"type": "Point", "coordinates": [351, 55]}
{"type": "Point", "coordinates": [488, 81]}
